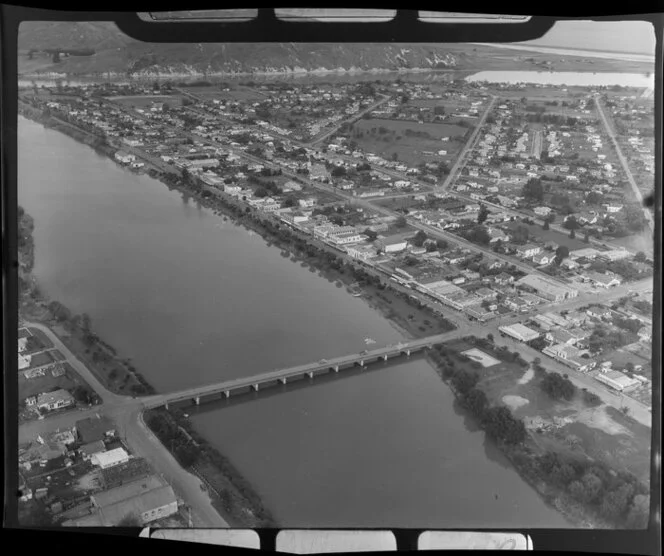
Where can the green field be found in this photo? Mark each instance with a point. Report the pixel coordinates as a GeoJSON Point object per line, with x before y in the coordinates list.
{"type": "Point", "coordinates": [145, 101]}
{"type": "Point", "coordinates": [408, 148]}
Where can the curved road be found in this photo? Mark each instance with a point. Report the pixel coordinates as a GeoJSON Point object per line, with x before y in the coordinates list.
{"type": "Point", "coordinates": [126, 413]}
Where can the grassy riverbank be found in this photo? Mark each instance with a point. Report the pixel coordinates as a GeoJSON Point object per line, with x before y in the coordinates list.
{"type": "Point", "coordinates": [231, 494]}
{"type": "Point", "coordinates": [586, 490]}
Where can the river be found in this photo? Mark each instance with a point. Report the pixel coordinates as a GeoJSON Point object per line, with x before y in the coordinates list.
{"type": "Point", "coordinates": [193, 299]}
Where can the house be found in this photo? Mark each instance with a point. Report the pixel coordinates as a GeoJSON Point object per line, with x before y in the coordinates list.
{"type": "Point", "coordinates": [22, 344]}
{"type": "Point", "coordinates": [542, 211]}
{"type": "Point", "coordinates": [92, 448]}
{"type": "Point", "coordinates": [543, 259]}
{"type": "Point", "coordinates": [124, 158]}
{"type": "Point", "coordinates": [497, 235]}
{"type": "Point", "coordinates": [529, 250]}
{"type": "Point", "coordinates": [58, 399]}
{"type": "Point", "coordinates": [603, 280]}
{"type": "Point", "coordinates": [562, 351]}
{"type": "Point", "coordinates": [560, 336]}
{"type": "Point", "coordinates": [645, 334]}
{"type": "Point", "coordinates": [520, 332]}
{"type": "Point", "coordinates": [486, 293]}
{"type": "Point", "coordinates": [96, 428]}
{"type": "Point", "coordinates": [307, 203]}
{"type": "Point", "coordinates": [109, 458]}
{"type": "Point", "coordinates": [503, 279]}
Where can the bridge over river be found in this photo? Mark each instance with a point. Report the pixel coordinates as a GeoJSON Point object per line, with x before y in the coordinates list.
{"type": "Point", "coordinates": [238, 386]}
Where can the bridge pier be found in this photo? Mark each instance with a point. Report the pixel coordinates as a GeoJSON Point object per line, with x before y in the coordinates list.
{"type": "Point", "coordinates": [197, 400]}
{"type": "Point", "coordinates": [255, 387]}
{"type": "Point", "coordinates": [362, 363]}
{"type": "Point", "coordinates": [227, 394]}
{"type": "Point", "coordinates": [336, 368]}
{"type": "Point", "coordinates": [166, 406]}
{"type": "Point", "coordinates": [310, 374]}
{"type": "Point", "coordinates": [407, 353]}
{"type": "Point", "coordinates": [385, 357]}
{"type": "Point", "coordinates": [282, 380]}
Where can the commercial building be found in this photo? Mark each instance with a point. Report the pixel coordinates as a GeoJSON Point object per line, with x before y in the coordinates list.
{"type": "Point", "coordinates": [146, 499]}
{"type": "Point", "coordinates": [392, 244]}
{"type": "Point", "coordinates": [618, 381]}
{"type": "Point", "coordinates": [548, 289]}
{"type": "Point", "coordinates": [520, 332]}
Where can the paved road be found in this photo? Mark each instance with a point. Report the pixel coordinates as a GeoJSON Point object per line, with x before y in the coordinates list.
{"type": "Point", "coordinates": [461, 159]}
{"type": "Point", "coordinates": [350, 119]}
{"type": "Point", "coordinates": [125, 412]}
{"type": "Point", "coordinates": [630, 178]}
{"type": "Point", "coordinates": [296, 371]}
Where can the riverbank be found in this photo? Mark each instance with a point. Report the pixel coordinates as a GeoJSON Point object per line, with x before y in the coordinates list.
{"type": "Point", "coordinates": [231, 494]}
{"type": "Point", "coordinates": [585, 491]}
{"type": "Point", "coordinates": [242, 506]}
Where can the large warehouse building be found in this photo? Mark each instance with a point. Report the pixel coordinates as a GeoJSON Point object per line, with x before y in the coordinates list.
{"type": "Point", "coordinates": [548, 289]}
{"type": "Point", "coordinates": [520, 332]}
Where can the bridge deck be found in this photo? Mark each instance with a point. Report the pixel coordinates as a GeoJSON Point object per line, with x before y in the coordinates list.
{"type": "Point", "coordinates": [271, 376]}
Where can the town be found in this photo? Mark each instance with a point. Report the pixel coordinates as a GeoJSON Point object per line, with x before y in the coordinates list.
{"type": "Point", "coordinates": [510, 210]}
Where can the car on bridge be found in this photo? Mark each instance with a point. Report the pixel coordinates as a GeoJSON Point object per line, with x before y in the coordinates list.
{"type": "Point", "coordinates": [323, 361]}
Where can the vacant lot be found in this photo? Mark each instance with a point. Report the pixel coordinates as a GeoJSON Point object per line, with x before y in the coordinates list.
{"type": "Point", "coordinates": [538, 233]}
{"type": "Point", "coordinates": [145, 101]}
{"type": "Point", "coordinates": [573, 427]}
{"type": "Point", "coordinates": [39, 359]}
{"type": "Point", "coordinates": [211, 93]}
{"type": "Point", "coordinates": [408, 140]}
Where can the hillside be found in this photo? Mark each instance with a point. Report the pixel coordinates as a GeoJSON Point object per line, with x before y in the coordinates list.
{"type": "Point", "coordinates": [117, 54]}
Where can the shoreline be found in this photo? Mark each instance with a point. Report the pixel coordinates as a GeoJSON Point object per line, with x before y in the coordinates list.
{"type": "Point", "coordinates": [253, 504]}
{"type": "Point", "coordinates": [266, 229]}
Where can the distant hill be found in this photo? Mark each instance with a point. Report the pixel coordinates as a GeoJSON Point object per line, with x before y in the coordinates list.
{"type": "Point", "coordinates": [115, 53]}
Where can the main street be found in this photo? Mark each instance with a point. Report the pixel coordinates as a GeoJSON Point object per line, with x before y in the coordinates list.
{"type": "Point", "coordinates": [623, 162]}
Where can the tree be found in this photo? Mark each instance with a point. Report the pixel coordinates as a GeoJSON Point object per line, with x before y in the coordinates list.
{"type": "Point", "coordinates": [370, 234]}
{"type": "Point", "coordinates": [400, 222]}
{"type": "Point", "coordinates": [479, 234]}
{"type": "Point", "coordinates": [557, 387]}
{"type": "Point", "coordinates": [586, 237]}
{"type": "Point", "coordinates": [572, 234]}
{"type": "Point", "coordinates": [570, 223]}
{"type": "Point", "coordinates": [442, 244]}
{"type": "Point", "coordinates": [521, 234]}
{"type": "Point", "coordinates": [482, 214]}
{"type": "Point", "coordinates": [639, 512]}
{"type": "Point", "coordinates": [419, 239]}
{"type": "Point", "coordinates": [533, 190]}
{"type": "Point", "coordinates": [545, 226]}
{"type": "Point", "coordinates": [640, 257]}
{"type": "Point", "coordinates": [561, 254]}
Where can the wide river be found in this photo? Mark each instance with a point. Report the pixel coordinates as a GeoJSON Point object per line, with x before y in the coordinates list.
{"type": "Point", "coordinates": [191, 299]}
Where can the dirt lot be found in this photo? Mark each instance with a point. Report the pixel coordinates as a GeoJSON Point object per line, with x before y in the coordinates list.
{"type": "Point", "coordinates": [600, 433]}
